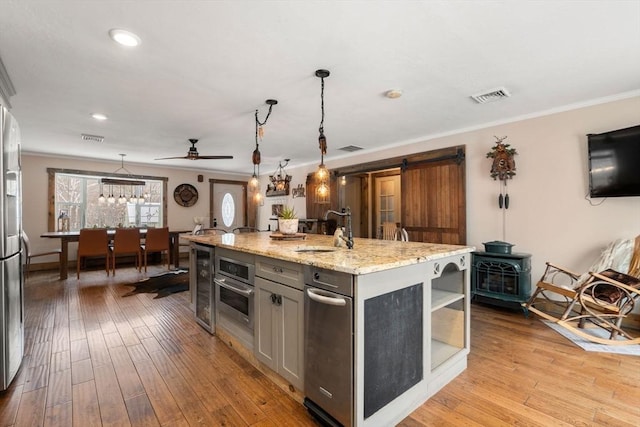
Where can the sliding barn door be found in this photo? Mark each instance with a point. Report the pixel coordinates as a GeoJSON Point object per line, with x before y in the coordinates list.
{"type": "Point", "coordinates": [433, 201]}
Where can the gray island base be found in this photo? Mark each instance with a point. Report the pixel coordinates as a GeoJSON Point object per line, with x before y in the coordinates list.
{"type": "Point", "coordinates": [385, 324]}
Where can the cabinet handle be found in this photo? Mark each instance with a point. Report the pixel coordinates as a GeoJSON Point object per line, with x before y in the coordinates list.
{"type": "Point", "coordinates": [317, 297]}
{"type": "Point", "coordinates": [278, 269]}
{"type": "Point", "coordinates": [221, 283]}
{"type": "Point", "coordinates": [276, 299]}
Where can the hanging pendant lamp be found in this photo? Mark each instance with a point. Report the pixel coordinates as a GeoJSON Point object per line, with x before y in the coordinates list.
{"type": "Point", "coordinates": [254, 183]}
{"type": "Point", "coordinates": [322, 174]}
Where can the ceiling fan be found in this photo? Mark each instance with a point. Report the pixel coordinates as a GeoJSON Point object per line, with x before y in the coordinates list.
{"type": "Point", "coordinates": [193, 154]}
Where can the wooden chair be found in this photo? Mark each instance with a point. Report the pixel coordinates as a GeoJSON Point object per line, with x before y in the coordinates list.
{"type": "Point", "coordinates": [156, 240]}
{"type": "Point", "coordinates": [601, 298]}
{"type": "Point", "coordinates": [389, 230]}
{"type": "Point", "coordinates": [29, 254]}
{"type": "Point", "coordinates": [126, 241]}
{"type": "Point", "coordinates": [93, 242]}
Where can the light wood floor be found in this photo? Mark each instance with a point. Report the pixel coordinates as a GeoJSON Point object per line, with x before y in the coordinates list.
{"type": "Point", "coordinates": [95, 358]}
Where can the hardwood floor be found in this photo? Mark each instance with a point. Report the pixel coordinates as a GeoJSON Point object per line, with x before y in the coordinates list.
{"type": "Point", "coordinates": [96, 358]}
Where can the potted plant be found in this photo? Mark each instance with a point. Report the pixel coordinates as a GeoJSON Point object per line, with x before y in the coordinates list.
{"type": "Point", "coordinates": [287, 220]}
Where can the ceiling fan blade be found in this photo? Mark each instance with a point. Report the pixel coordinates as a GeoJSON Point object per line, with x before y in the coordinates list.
{"type": "Point", "coordinates": [192, 154]}
{"type": "Point", "coordinates": [215, 157]}
{"type": "Point", "coordinates": [168, 158]}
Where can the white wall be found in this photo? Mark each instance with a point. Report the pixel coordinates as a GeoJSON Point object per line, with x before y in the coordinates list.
{"type": "Point", "coordinates": [548, 214]}
{"type": "Point", "coordinates": [35, 185]}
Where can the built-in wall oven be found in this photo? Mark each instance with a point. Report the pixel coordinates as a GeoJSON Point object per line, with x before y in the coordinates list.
{"type": "Point", "coordinates": [235, 293]}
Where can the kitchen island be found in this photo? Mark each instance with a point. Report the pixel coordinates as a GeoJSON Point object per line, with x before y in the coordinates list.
{"type": "Point", "coordinates": [408, 319]}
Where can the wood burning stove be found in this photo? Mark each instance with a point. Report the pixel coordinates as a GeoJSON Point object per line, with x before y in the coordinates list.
{"type": "Point", "coordinates": [501, 279]}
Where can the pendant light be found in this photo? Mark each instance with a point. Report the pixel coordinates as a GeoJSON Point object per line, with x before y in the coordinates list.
{"type": "Point", "coordinates": [254, 183]}
{"type": "Point", "coordinates": [322, 174]}
{"type": "Point", "coordinates": [101, 198]}
{"type": "Point", "coordinates": [280, 179]}
{"type": "Point", "coordinates": [111, 200]}
{"type": "Point", "coordinates": [128, 181]}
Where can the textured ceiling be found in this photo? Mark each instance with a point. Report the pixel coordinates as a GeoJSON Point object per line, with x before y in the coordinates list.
{"type": "Point", "coordinates": [204, 67]}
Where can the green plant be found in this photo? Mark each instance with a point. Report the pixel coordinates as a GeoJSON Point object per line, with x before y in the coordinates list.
{"type": "Point", "coordinates": [287, 212]}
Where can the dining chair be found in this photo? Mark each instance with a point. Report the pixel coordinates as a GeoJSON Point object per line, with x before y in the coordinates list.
{"type": "Point", "coordinates": [156, 240]}
{"type": "Point", "coordinates": [218, 231]}
{"type": "Point", "coordinates": [389, 230]}
{"type": "Point", "coordinates": [93, 242]}
{"type": "Point", "coordinates": [239, 230]}
{"type": "Point", "coordinates": [126, 241]}
{"type": "Point", "coordinates": [401, 235]}
{"type": "Point", "coordinates": [30, 254]}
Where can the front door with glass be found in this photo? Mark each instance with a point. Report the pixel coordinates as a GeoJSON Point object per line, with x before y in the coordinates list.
{"type": "Point", "coordinates": [228, 210]}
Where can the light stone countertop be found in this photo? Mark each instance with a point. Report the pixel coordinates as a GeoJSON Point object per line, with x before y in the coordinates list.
{"type": "Point", "coordinates": [367, 256]}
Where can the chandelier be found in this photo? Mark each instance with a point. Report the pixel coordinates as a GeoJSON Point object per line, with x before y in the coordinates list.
{"type": "Point", "coordinates": [279, 185]}
{"type": "Point", "coordinates": [322, 174]}
{"type": "Point", "coordinates": [135, 187]}
{"type": "Point", "coordinates": [254, 183]}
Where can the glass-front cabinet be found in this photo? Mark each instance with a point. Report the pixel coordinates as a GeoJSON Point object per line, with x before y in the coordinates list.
{"type": "Point", "coordinates": [202, 271]}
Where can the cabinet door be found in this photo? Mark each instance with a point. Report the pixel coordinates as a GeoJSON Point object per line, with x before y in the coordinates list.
{"type": "Point", "coordinates": [279, 328]}
{"type": "Point", "coordinates": [266, 335]}
{"type": "Point", "coordinates": [292, 339]}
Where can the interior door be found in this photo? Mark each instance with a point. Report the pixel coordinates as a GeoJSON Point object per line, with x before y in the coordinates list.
{"type": "Point", "coordinates": [229, 204]}
{"type": "Point", "coordinates": [387, 203]}
{"type": "Point", "coordinates": [433, 200]}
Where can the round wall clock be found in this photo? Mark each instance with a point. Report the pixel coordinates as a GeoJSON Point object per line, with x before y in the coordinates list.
{"type": "Point", "coordinates": [185, 195]}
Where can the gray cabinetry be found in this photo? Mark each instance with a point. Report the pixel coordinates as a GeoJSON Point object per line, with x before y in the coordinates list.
{"type": "Point", "coordinates": [411, 335]}
{"type": "Point", "coordinates": [279, 310]}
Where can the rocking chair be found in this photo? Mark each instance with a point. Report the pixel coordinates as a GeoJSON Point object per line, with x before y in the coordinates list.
{"type": "Point", "coordinates": [602, 299]}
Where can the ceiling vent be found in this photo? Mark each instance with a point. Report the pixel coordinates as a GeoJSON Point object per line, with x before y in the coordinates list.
{"type": "Point", "coordinates": [350, 148]}
{"type": "Point", "coordinates": [94, 138]}
{"type": "Point", "coordinates": [491, 95]}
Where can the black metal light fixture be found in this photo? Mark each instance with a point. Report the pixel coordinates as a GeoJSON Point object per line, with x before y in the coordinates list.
{"type": "Point", "coordinates": [322, 174]}
{"type": "Point", "coordinates": [254, 183]}
{"type": "Point", "coordinates": [280, 181]}
{"type": "Point", "coordinates": [136, 185]}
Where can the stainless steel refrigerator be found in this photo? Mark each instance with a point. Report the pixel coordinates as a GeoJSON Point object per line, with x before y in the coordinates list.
{"type": "Point", "coordinates": [11, 298]}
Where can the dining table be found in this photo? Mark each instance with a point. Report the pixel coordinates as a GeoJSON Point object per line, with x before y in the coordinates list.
{"type": "Point", "coordinates": [73, 236]}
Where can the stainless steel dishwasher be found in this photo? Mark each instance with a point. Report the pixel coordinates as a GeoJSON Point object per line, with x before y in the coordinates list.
{"type": "Point", "coordinates": [328, 331]}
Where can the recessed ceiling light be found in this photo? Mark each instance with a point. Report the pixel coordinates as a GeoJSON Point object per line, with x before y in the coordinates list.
{"type": "Point", "coordinates": [124, 37]}
{"type": "Point", "coordinates": [393, 93]}
{"type": "Point", "coordinates": [99, 116]}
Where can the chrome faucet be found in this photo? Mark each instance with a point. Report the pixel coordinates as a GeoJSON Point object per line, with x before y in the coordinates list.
{"type": "Point", "coordinates": [347, 213]}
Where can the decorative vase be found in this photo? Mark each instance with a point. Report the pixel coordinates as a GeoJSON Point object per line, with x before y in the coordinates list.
{"type": "Point", "coordinates": [288, 226]}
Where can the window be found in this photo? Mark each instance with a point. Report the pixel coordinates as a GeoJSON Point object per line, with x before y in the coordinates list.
{"type": "Point", "coordinates": [228, 210]}
{"type": "Point", "coordinates": [77, 194]}
{"type": "Point", "coordinates": [387, 197]}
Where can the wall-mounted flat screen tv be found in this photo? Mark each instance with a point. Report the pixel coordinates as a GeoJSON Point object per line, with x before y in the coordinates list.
{"type": "Point", "coordinates": [614, 163]}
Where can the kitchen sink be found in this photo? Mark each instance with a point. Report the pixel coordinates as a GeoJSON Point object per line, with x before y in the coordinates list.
{"type": "Point", "coordinates": [315, 249]}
